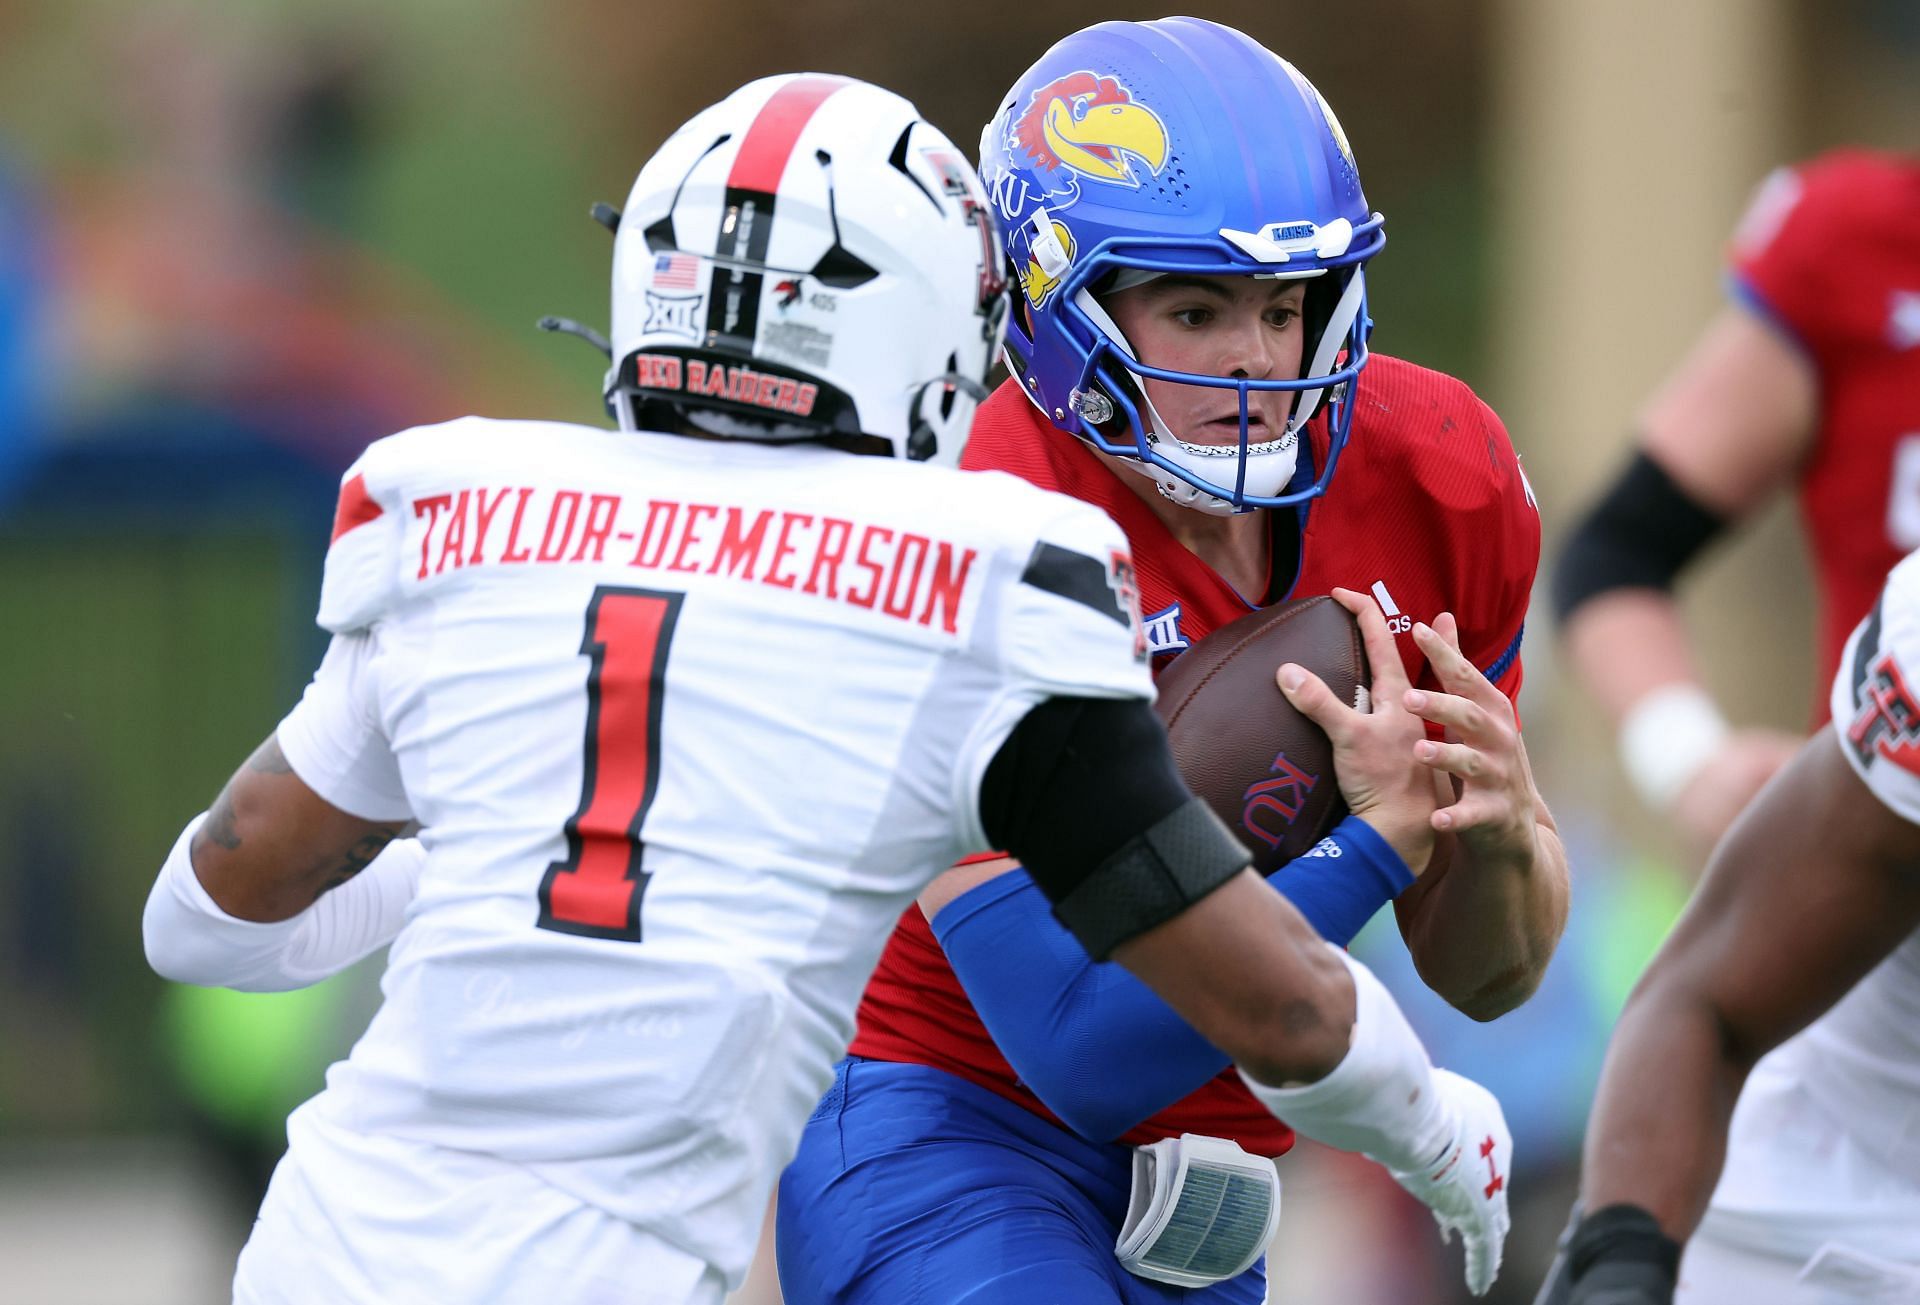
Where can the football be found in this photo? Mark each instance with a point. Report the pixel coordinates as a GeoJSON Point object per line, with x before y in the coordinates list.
{"type": "Point", "coordinates": [1263, 767]}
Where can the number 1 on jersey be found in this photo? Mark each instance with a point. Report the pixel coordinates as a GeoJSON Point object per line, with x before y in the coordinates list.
{"type": "Point", "coordinates": [596, 891]}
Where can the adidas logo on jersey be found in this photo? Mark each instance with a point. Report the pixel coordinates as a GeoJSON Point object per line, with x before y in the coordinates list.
{"type": "Point", "coordinates": [1398, 622]}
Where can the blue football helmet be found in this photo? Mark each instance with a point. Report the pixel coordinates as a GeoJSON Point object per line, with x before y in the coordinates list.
{"type": "Point", "coordinates": [1180, 146]}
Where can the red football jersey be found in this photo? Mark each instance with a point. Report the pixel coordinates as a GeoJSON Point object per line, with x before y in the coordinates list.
{"type": "Point", "coordinates": [1830, 252]}
{"type": "Point", "coordinates": [1428, 510]}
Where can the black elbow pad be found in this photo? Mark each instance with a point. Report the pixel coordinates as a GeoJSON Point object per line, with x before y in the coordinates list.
{"type": "Point", "coordinates": [1640, 535]}
{"type": "Point", "coordinates": [1154, 876]}
{"type": "Point", "coordinates": [1085, 793]}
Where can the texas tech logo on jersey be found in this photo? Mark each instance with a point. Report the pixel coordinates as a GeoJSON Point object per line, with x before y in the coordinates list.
{"type": "Point", "coordinates": [1126, 591]}
{"type": "Point", "coordinates": [1887, 723]}
{"type": "Point", "coordinates": [1108, 588]}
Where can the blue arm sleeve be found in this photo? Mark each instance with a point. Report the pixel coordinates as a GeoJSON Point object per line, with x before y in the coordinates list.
{"type": "Point", "coordinates": [1096, 1045]}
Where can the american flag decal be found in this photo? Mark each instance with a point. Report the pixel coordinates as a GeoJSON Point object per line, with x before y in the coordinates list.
{"type": "Point", "coordinates": [675, 271]}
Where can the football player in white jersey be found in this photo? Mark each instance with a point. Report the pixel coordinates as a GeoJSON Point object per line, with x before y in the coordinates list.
{"type": "Point", "coordinates": [1792, 983]}
{"type": "Point", "coordinates": [685, 714]}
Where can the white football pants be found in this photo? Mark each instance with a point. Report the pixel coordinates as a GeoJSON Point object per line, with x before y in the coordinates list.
{"type": "Point", "coordinates": [357, 1218]}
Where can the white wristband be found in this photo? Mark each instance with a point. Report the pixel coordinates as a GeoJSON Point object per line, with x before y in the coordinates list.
{"type": "Point", "coordinates": [1665, 740]}
{"type": "Point", "coordinates": [1381, 1099]}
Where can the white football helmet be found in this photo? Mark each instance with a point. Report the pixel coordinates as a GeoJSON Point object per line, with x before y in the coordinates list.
{"type": "Point", "coordinates": [807, 259]}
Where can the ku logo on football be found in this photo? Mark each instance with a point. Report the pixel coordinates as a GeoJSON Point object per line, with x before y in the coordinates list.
{"type": "Point", "coordinates": [1279, 798]}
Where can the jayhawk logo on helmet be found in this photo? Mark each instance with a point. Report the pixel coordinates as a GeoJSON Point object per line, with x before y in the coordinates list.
{"type": "Point", "coordinates": [1040, 283]}
{"type": "Point", "coordinates": [1091, 126]}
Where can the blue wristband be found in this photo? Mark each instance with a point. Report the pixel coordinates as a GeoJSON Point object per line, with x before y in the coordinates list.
{"type": "Point", "coordinates": [1343, 879]}
{"type": "Point", "coordinates": [1096, 1045]}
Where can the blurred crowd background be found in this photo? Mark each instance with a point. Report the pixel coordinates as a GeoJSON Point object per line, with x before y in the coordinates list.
{"type": "Point", "coordinates": [238, 242]}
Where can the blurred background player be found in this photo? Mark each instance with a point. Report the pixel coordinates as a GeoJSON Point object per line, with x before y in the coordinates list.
{"type": "Point", "coordinates": [1183, 216]}
{"type": "Point", "coordinates": [1808, 379]}
{"type": "Point", "coordinates": [1809, 911]}
{"type": "Point", "coordinates": [613, 935]}
{"type": "Point", "coordinates": [24, 365]}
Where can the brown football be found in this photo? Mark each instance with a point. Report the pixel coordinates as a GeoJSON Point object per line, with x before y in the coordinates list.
{"type": "Point", "coordinates": [1263, 767]}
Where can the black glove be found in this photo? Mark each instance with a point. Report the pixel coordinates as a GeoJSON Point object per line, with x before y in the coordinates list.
{"type": "Point", "coordinates": [1615, 1256]}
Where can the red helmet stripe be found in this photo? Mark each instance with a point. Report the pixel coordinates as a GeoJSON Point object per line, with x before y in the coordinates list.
{"type": "Point", "coordinates": [770, 140]}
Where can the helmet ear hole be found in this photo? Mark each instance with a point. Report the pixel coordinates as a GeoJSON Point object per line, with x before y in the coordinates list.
{"type": "Point", "coordinates": [1115, 389]}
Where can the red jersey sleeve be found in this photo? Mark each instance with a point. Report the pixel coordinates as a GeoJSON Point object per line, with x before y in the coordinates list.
{"type": "Point", "coordinates": [1809, 235]}
{"type": "Point", "coordinates": [1509, 541]}
{"type": "Point", "coordinates": [1443, 500]}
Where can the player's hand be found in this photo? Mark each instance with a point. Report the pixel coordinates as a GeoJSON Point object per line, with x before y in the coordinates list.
{"type": "Point", "coordinates": [1495, 806]}
{"type": "Point", "coordinates": [1371, 749]}
{"type": "Point", "coordinates": [1619, 1258]}
{"type": "Point", "coordinates": [1466, 1188]}
{"type": "Point", "coordinates": [1721, 789]}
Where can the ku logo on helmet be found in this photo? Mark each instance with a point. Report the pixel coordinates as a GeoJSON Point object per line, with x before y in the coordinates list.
{"type": "Point", "coordinates": [1091, 126]}
{"type": "Point", "coordinates": [1339, 133]}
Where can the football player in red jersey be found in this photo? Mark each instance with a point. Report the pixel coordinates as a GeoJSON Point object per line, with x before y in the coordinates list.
{"type": "Point", "coordinates": [618, 986]}
{"type": "Point", "coordinates": [1810, 379]}
{"type": "Point", "coordinates": [1187, 226]}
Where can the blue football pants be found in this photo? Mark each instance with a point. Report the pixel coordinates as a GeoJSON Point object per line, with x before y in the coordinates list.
{"type": "Point", "coordinates": [914, 1187]}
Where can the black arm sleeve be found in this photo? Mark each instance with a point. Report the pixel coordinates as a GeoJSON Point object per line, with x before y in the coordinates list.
{"type": "Point", "coordinates": [1640, 534]}
{"type": "Point", "coordinates": [1085, 793]}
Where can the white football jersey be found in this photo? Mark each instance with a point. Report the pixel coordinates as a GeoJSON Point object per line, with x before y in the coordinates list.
{"type": "Point", "coordinates": [1824, 1145]}
{"type": "Point", "coordinates": [1865, 1053]}
{"type": "Point", "coordinates": [686, 725]}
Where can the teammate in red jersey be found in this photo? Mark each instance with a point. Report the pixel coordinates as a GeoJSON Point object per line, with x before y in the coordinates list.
{"type": "Point", "coordinates": [1810, 379]}
{"type": "Point", "coordinates": [1185, 313]}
